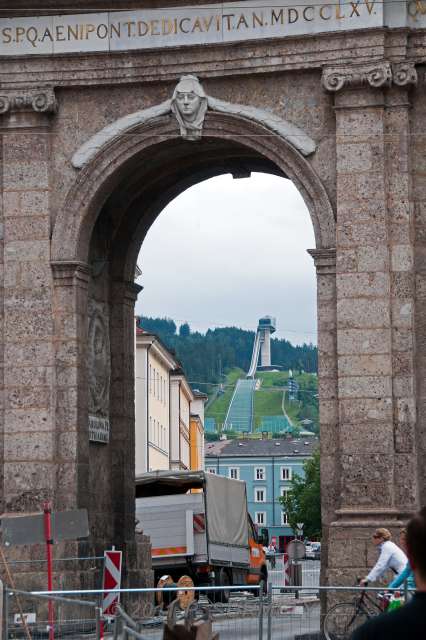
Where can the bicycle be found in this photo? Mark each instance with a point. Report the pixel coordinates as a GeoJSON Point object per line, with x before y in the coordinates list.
{"type": "Point", "coordinates": [343, 618]}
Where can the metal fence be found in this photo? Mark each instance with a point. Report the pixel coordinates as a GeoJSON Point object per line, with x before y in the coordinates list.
{"type": "Point", "coordinates": [285, 613]}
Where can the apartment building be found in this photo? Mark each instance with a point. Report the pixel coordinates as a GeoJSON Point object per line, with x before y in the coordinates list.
{"type": "Point", "coordinates": [169, 415]}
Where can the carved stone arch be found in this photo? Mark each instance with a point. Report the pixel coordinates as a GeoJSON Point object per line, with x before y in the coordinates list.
{"type": "Point", "coordinates": [112, 165]}
{"type": "Point", "coordinates": [114, 200]}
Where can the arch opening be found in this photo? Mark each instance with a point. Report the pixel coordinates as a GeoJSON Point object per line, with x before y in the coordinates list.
{"type": "Point", "coordinates": [103, 223]}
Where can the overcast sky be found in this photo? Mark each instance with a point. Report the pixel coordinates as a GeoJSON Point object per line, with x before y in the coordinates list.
{"type": "Point", "coordinates": [226, 252]}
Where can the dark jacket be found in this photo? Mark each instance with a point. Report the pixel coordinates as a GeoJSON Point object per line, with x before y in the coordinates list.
{"type": "Point", "coordinates": [406, 623]}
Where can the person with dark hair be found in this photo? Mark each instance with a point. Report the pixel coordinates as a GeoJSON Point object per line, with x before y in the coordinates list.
{"type": "Point", "coordinates": [407, 575]}
{"type": "Point", "coordinates": [410, 620]}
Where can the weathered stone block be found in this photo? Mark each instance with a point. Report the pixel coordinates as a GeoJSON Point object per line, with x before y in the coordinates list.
{"type": "Point", "coordinates": [26, 228]}
{"type": "Point", "coordinates": [402, 312]}
{"type": "Point", "coordinates": [347, 553]}
{"type": "Point", "coordinates": [352, 285]}
{"type": "Point", "coordinates": [373, 438]}
{"type": "Point", "coordinates": [372, 258]}
{"type": "Point", "coordinates": [402, 257]}
{"type": "Point", "coordinates": [359, 313]}
{"type": "Point", "coordinates": [27, 485]}
{"type": "Point", "coordinates": [22, 420]}
{"type": "Point", "coordinates": [354, 157]}
{"type": "Point", "coordinates": [369, 410]}
{"type": "Point", "coordinates": [25, 175]}
{"type": "Point", "coordinates": [27, 397]}
{"type": "Point", "coordinates": [28, 250]}
{"type": "Point", "coordinates": [363, 341]}
{"type": "Point", "coordinates": [403, 386]}
{"type": "Point", "coordinates": [366, 365]}
{"type": "Point", "coordinates": [365, 387]}
{"type": "Point", "coordinates": [29, 447]}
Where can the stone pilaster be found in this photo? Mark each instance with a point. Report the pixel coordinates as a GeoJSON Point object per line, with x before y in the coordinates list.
{"type": "Point", "coordinates": [123, 298]}
{"type": "Point", "coordinates": [70, 281]}
{"type": "Point", "coordinates": [374, 308]}
{"type": "Point", "coordinates": [325, 263]}
{"type": "Point", "coordinates": [29, 377]}
{"type": "Point", "coordinates": [402, 289]}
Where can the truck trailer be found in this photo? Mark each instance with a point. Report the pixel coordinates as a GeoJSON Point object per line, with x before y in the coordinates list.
{"type": "Point", "coordinates": [199, 526]}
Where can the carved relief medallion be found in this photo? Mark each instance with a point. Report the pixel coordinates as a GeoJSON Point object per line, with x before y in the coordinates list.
{"type": "Point", "coordinates": [99, 365]}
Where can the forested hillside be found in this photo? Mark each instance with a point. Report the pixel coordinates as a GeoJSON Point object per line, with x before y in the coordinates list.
{"type": "Point", "coordinates": [205, 357]}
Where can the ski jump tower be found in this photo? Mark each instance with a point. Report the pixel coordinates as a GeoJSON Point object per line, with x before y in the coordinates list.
{"type": "Point", "coordinates": [262, 346]}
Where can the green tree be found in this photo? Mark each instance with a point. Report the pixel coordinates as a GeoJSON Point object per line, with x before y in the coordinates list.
{"type": "Point", "coordinates": [303, 501]}
{"type": "Point", "coordinates": [184, 330]}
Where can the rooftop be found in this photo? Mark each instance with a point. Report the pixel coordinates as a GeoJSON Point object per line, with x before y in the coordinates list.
{"type": "Point", "coordinates": [256, 448]}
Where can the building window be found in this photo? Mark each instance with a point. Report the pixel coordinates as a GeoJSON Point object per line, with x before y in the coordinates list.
{"type": "Point", "coordinates": [260, 517]}
{"type": "Point", "coordinates": [285, 473]}
{"type": "Point", "coordinates": [259, 473]}
{"type": "Point", "coordinates": [284, 517]}
{"type": "Point", "coordinates": [150, 379]}
{"type": "Point", "coordinates": [260, 495]}
{"type": "Point", "coordinates": [150, 428]}
{"type": "Point", "coordinates": [234, 473]}
{"type": "Point", "coordinates": [284, 492]}
{"type": "Point", "coordinates": [211, 470]}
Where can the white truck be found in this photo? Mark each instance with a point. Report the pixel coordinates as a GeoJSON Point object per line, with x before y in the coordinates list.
{"type": "Point", "coordinates": [199, 526]}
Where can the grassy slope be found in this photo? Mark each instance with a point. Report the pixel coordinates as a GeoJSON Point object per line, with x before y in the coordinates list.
{"type": "Point", "coordinates": [267, 400]}
{"type": "Point", "coordinates": [219, 407]}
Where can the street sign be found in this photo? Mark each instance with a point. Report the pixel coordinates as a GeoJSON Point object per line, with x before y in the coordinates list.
{"type": "Point", "coordinates": [65, 525]}
{"type": "Point", "coordinates": [296, 550]}
{"type": "Point", "coordinates": [112, 580]}
{"type": "Point", "coordinates": [299, 525]}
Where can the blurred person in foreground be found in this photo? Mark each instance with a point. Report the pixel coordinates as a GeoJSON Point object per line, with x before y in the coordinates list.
{"type": "Point", "coordinates": [408, 622]}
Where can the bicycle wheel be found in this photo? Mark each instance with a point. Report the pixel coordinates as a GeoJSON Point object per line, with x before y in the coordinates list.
{"type": "Point", "coordinates": [342, 620]}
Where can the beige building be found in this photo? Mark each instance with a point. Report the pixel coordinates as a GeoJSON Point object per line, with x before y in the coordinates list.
{"type": "Point", "coordinates": [153, 365]}
{"type": "Point", "coordinates": [165, 409]}
{"type": "Point", "coordinates": [181, 397]}
{"type": "Point", "coordinates": [196, 431]}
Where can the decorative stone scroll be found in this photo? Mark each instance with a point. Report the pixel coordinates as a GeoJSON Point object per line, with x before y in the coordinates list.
{"type": "Point", "coordinates": [39, 100]}
{"type": "Point", "coordinates": [377, 75]}
{"type": "Point", "coordinates": [404, 73]}
{"type": "Point", "coordinates": [189, 105]}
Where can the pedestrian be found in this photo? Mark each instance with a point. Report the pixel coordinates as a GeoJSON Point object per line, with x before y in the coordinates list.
{"type": "Point", "coordinates": [408, 621]}
{"type": "Point", "coordinates": [390, 557]}
{"type": "Point", "coordinates": [271, 554]}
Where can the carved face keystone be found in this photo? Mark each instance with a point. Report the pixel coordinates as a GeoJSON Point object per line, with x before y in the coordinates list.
{"type": "Point", "coordinates": [188, 104]}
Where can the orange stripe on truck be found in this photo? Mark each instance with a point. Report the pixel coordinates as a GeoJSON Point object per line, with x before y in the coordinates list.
{"type": "Point", "coordinates": [168, 551]}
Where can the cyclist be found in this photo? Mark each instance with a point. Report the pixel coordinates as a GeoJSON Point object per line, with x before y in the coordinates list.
{"type": "Point", "coordinates": [410, 620]}
{"type": "Point", "coordinates": [391, 557]}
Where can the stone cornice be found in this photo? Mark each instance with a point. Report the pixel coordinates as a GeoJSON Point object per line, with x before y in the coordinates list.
{"type": "Point", "coordinates": [324, 260]}
{"type": "Point", "coordinates": [126, 291]}
{"type": "Point", "coordinates": [69, 273]}
{"type": "Point", "coordinates": [40, 100]}
{"type": "Point", "coordinates": [376, 75]}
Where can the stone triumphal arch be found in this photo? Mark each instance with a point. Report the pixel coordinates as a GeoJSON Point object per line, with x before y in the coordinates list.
{"type": "Point", "coordinates": [96, 140]}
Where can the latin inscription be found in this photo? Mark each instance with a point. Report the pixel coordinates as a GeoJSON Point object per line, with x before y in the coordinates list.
{"type": "Point", "coordinates": [98, 429]}
{"type": "Point", "coordinates": [154, 28]}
